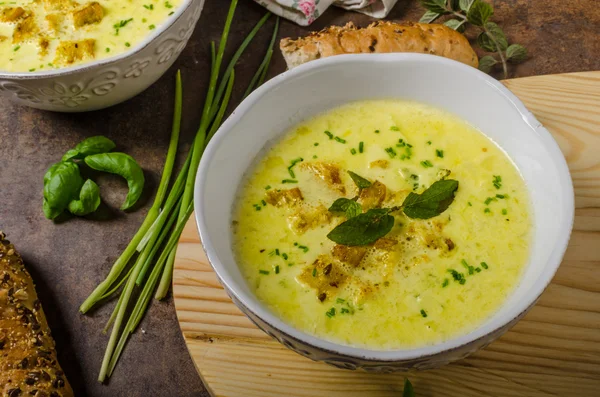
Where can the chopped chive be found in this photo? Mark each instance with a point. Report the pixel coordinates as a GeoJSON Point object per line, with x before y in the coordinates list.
{"type": "Point", "coordinates": [316, 144]}
{"type": "Point", "coordinates": [171, 13]}
{"type": "Point", "coordinates": [489, 200]}
{"type": "Point", "coordinates": [168, 5]}
{"type": "Point", "coordinates": [445, 283]}
{"type": "Point", "coordinates": [127, 44]}
{"type": "Point", "coordinates": [267, 187]}
{"type": "Point", "coordinates": [470, 268]}
{"type": "Point", "coordinates": [377, 131]}
{"type": "Point", "coordinates": [331, 312]}
{"type": "Point", "coordinates": [290, 264]}
{"type": "Point", "coordinates": [439, 153]}
{"type": "Point", "coordinates": [263, 271]}
{"type": "Point", "coordinates": [263, 202]}
{"type": "Point", "coordinates": [391, 152]}
{"type": "Point", "coordinates": [303, 248]}
{"type": "Point", "coordinates": [423, 313]}
{"type": "Point", "coordinates": [394, 128]}
{"type": "Point", "coordinates": [272, 253]}
{"type": "Point", "coordinates": [340, 140]}
{"type": "Point", "coordinates": [344, 310]}
{"type": "Point", "coordinates": [487, 211]}
{"type": "Point", "coordinates": [277, 269]}
{"type": "Point", "coordinates": [277, 251]}
{"type": "Point", "coordinates": [457, 276]}
{"type": "Point", "coordinates": [144, 20]}
{"type": "Point", "coordinates": [429, 142]}
{"type": "Point", "coordinates": [501, 196]}
{"type": "Point", "coordinates": [361, 147]}
{"type": "Point", "coordinates": [32, 70]}
{"type": "Point", "coordinates": [478, 270]}
{"type": "Point", "coordinates": [16, 48]}
{"type": "Point", "coordinates": [414, 176]}
{"type": "Point", "coordinates": [107, 49]}
{"type": "Point", "coordinates": [329, 134]}
{"type": "Point", "coordinates": [353, 151]}
{"type": "Point", "coordinates": [426, 164]}
{"type": "Point", "coordinates": [469, 203]}
{"type": "Point", "coordinates": [295, 244]}
{"type": "Point", "coordinates": [314, 156]}
{"type": "Point", "coordinates": [289, 181]}
{"type": "Point", "coordinates": [497, 181]}
{"type": "Point", "coordinates": [314, 272]}
{"type": "Point", "coordinates": [284, 256]}
{"type": "Point", "coordinates": [149, 6]}
{"type": "Point", "coordinates": [294, 162]}
{"type": "Point", "coordinates": [340, 300]}
{"type": "Point", "coordinates": [484, 265]}
{"type": "Point", "coordinates": [151, 27]}
{"type": "Point", "coordinates": [504, 211]}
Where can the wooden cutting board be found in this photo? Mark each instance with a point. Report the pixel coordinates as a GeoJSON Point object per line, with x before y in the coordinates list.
{"type": "Point", "coordinates": [553, 351]}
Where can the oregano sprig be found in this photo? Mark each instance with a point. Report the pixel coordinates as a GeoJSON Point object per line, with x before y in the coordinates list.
{"type": "Point", "coordinates": [491, 37]}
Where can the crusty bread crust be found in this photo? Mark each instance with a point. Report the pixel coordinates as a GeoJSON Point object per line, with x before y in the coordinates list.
{"type": "Point", "coordinates": [380, 37]}
{"type": "Point", "coordinates": [28, 364]}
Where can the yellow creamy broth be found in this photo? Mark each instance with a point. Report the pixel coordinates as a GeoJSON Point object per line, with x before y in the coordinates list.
{"type": "Point", "coordinates": [393, 298]}
{"type": "Point", "coordinates": [47, 34]}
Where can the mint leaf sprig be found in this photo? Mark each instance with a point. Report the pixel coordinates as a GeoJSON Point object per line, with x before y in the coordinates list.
{"type": "Point", "coordinates": [366, 228]}
{"type": "Point", "coordinates": [491, 37]}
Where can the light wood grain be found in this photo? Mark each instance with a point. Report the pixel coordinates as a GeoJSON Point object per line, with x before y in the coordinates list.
{"type": "Point", "coordinates": [553, 351]}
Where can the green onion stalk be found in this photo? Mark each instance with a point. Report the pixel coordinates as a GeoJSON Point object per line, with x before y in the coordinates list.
{"type": "Point", "coordinates": [136, 272]}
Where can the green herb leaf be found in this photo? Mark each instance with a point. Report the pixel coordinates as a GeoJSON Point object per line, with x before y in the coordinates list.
{"type": "Point", "coordinates": [516, 53]}
{"type": "Point", "coordinates": [93, 145]}
{"type": "Point", "coordinates": [479, 13]}
{"type": "Point", "coordinates": [350, 207]}
{"type": "Point", "coordinates": [124, 165]}
{"type": "Point", "coordinates": [485, 42]}
{"type": "Point", "coordinates": [465, 5]}
{"type": "Point", "coordinates": [455, 24]}
{"type": "Point", "coordinates": [363, 229]}
{"type": "Point", "coordinates": [359, 181]}
{"type": "Point", "coordinates": [62, 183]}
{"type": "Point", "coordinates": [455, 5]}
{"type": "Point", "coordinates": [429, 17]}
{"type": "Point", "coordinates": [486, 63]}
{"type": "Point", "coordinates": [438, 6]}
{"type": "Point", "coordinates": [432, 202]}
{"type": "Point", "coordinates": [408, 389]}
{"type": "Point", "coordinates": [89, 199]}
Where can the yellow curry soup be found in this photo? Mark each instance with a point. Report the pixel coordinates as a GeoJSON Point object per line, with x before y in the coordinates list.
{"type": "Point", "coordinates": [426, 280]}
{"type": "Point", "coordinates": [47, 34]}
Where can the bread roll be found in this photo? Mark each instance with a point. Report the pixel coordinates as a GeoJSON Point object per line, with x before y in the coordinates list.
{"type": "Point", "coordinates": [28, 364]}
{"type": "Point", "coordinates": [379, 37]}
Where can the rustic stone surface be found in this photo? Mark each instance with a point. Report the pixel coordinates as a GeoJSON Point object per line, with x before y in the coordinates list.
{"type": "Point", "coordinates": [69, 259]}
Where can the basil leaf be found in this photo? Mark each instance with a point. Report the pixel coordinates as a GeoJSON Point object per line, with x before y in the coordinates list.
{"type": "Point", "coordinates": [350, 207]}
{"type": "Point", "coordinates": [124, 165]}
{"type": "Point", "coordinates": [89, 199]}
{"type": "Point", "coordinates": [487, 43]}
{"type": "Point", "coordinates": [455, 24]}
{"type": "Point", "coordinates": [516, 53]}
{"type": "Point", "coordinates": [429, 17]}
{"type": "Point", "coordinates": [408, 389]}
{"type": "Point", "coordinates": [486, 63]}
{"type": "Point", "coordinates": [93, 145]}
{"type": "Point", "coordinates": [432, 202]}
{"type": "Point", "coordinates": [465, 5]}
{"type": "Point", "coordinates": [479, 13]}
{"type": "Point", "coordinates": [359, 181]}
{"type": "Point", "coordinates": [455, 5]}
{"type": "Point", "coordinates": [61, 185]}
{"type": "Point", "coordinates": [363, 229]}
{"type": "Point", "coordinates": [438, 6]}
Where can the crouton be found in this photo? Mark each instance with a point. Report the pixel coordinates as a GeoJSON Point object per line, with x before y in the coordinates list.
{"type": "Point", "coordinates": [306, 218]}
{"type": "Point", "coordinates": [58, 5]}
{"type": "Point", "coordinates": [43, 43]}
{"type": "Point", "coordinates": [12, 14]}
{"type": "Point", "coordinates": [25, 30]}
{"type": "Point", "coordinates": [324, 275]}
{"type": "Point", "coordinates": [70, 51]}
{"type": "Point", "coordinates": [385, 244]}
{"type": "Point", "coordinates": [349, 255]}
{"type": "Point", "coordinates": [373, 196]}
{"type": "Point", "coordinates": [91, 13]}
{"type": "Point", "coordinates": [329, 173]}
{"type": "Point", "coordinates": [54, 21]}
{"type": "Point", "coordinates": [379, 164]}
{"type": "Point", "coordinates": [280, 197]}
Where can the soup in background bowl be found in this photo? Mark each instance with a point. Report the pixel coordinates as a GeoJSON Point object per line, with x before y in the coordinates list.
{"type": "Point", "coordinates": [465, 112]}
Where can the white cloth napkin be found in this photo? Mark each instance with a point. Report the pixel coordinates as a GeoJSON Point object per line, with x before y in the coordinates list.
{"type": "Point", "coordinates": [304, 12]}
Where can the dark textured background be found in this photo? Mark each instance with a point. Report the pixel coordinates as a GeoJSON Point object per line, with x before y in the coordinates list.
{"type": "Point", "coordinates": [69, 259]}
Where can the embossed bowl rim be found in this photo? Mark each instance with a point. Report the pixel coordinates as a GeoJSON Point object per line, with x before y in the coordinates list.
{"type": "Point", "coordinates": [463, 90]}
{"type": "Point", "coordinates": [182, 9]}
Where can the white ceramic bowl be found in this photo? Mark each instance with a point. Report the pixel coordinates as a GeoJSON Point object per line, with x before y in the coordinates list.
{"type": "Point", "coordinates": [103, 83]}
{"type": "Point", "coordinates": [320, 85]}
